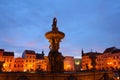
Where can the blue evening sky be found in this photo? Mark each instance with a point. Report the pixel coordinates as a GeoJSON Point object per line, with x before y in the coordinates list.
{"type": "Point", "coordinates": [87, 24]}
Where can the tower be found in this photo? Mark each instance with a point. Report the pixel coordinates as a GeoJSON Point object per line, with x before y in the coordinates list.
{"type": "Point", "coordinates": [55, 57]}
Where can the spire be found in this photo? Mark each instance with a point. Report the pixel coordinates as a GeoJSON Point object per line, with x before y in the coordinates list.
{"type": "Point", "coordinates": [54, 25]}
{"type": "Point", "coordinates": [82, 52]}
{"type": "Point", "coordinates": [42, 52]}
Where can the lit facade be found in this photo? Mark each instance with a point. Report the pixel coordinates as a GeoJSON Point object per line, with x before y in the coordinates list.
{"type": "Point", "coordinates": [29, 57]}
{"type": "Point", "coordinates": [30, 61]}
{"type": "Point", "coordinates": [18, 65]}
{"type": "Point", "coordinates": [8, 58]}
{"type": "Point", "coordinates": [69, 63]}
{"type": "Point", "coordinates": [86, 63]}
{"type": "Point", "coordinates": [108, 60]}
{"type": "Point", "coordinates": [41, 62]}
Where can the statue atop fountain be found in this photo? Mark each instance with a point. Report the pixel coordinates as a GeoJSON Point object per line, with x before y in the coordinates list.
{"type": "Point", "coordinates": [56, 59]}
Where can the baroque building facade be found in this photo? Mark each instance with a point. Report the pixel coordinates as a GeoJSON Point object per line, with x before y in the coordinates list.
{"type": "Point", "coordinates": [108, 60]}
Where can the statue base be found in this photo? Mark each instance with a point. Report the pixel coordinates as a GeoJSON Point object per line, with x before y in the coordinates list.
{"type": "Point", "coordinates": [56, 62]}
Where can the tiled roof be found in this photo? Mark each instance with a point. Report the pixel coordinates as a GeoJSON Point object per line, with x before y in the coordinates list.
{"type": "Point", "coordinates": [39, 56]}
{"type": "Point", "coordinates": [29, 52]}
{"type": "Point", "coordinates": [109, 50]}
{"type": "Point", "coordinates": [1, 49]}
{"type": "Point", "coordinates": [112, 50]}
{"type": "Point", "coordinates": [8, 54]}
{"type": "Point", "coordinates": [116, 51]}
{"type": "Point", "coordinates": [92, 53]}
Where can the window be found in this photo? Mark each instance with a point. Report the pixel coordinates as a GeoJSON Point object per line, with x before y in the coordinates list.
{"type": "Point", "coordinates": [10, 60]}
{"type": "Point", "coordinates": [118, 62]}
{"type": "Point", "coordinates": [114, 57]}
{"type": "Point", "coordinates": [117, 57]}
{"type": "Point", "coordinates": [114, 63]}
